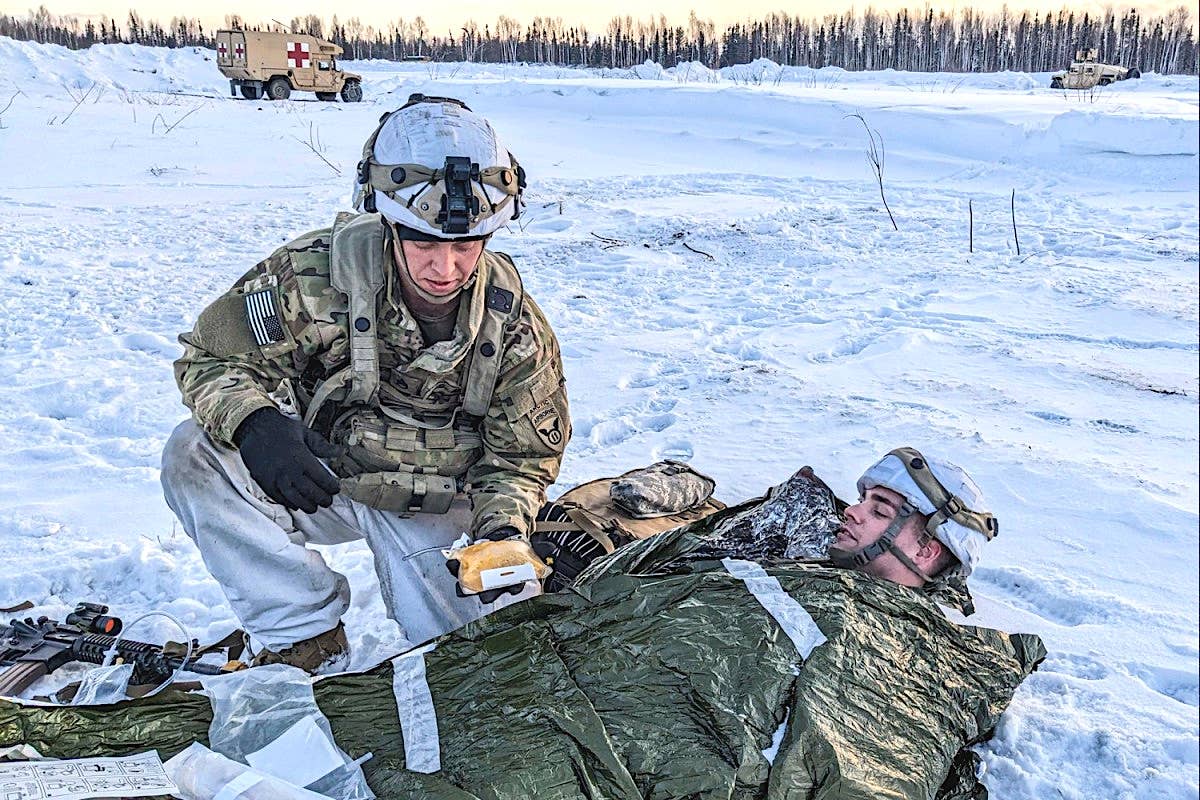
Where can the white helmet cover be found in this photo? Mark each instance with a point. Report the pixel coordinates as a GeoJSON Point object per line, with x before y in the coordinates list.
{"type": "Point", "coordinates": [403, 172]}
{"type": "Point", "coordinates": [965, 541]}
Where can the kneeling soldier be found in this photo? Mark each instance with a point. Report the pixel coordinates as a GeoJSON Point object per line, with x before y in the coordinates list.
{"type": "Point", "coordinates": [386, 378]}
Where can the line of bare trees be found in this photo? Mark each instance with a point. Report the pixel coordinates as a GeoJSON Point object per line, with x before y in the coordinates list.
{"type": "Point", "coordinates": [926, 41]}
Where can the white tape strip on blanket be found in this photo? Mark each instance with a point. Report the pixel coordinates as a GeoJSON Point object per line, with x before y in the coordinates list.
{"type": "Point", "coordinates": [791, 616]}
{"type": "Point", "coordinates": [414, 706]}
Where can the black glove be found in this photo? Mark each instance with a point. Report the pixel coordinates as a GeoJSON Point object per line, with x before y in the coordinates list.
{"type": "Point", "coordinates": [488, 595]}
{"type": "Point", "coordinates": [282, 454]}
{"type": "Point", "coordinates": [568, 552]}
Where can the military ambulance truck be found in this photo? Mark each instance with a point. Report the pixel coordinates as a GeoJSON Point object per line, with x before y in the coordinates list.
{"type": "Point", "coordinates": [274, 64]}
{"type": "Point", "coordinates": [1087, 73]}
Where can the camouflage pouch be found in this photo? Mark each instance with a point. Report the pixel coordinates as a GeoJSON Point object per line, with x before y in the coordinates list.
{"type": "Point", "coordinates": [402, 492]}
{"type": "Point", "coordinates": [377, 444]}
{"type": "Point", "coordinates": [660, 490]}
{"type": "Point", "coordinates": [798, 519]}
{"type": "Point", "coordinates": [591, 508]}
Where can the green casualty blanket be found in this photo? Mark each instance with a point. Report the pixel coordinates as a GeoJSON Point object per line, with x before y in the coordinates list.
{"type": "Point", "coordinates": [661, 675]}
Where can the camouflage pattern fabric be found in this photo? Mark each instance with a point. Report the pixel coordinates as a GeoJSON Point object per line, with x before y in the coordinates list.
{"type": "Point", "coordinates": [798, 519]}
{"type": "Point", "coordinates": [662, 489]}
{"type": "Point", "coordinates": [282, 330]}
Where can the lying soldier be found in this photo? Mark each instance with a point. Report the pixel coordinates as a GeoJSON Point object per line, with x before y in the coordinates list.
{"type": "Point", "coordinates": [919, 522]}
{"type": "Point", "coordinates": [676, 667]}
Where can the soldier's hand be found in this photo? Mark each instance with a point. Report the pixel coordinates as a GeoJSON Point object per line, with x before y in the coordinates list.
{"type": "Point", "coordinates": [487, 595]}
{"type": "Point", "coordinates": [283, 458]}
{"type": "Point", "coordinates": [568, 552]}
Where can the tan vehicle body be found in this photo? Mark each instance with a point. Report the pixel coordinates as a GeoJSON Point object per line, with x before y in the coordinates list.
{"type": "Point", "coordinates": [268, 64]}
{"type": "Point", "coordinates": [1087, 73]}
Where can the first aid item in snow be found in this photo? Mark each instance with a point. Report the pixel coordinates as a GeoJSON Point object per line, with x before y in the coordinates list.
{"type": "Point", "coordinates": [201, 774]}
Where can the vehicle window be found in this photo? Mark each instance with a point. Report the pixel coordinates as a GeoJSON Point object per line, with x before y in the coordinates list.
{"type": "Point", "coordinates": [323, 65]}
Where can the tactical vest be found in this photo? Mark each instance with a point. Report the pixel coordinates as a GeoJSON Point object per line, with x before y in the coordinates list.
{"type": "Point", "coordinates": [405, 454]}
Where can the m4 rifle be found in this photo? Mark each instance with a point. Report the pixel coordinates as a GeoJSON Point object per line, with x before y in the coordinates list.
{"type": "Point", "coordinates": [32, 649]}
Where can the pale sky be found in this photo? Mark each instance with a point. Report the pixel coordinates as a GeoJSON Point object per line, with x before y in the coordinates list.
{"type": "Point", "coordinates": [443, 17]}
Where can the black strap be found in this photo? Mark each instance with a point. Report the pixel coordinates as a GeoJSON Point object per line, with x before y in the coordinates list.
{"type": "Point", "coordinates": [908, 563]}
{"type": "Point", "coordinates": [417, 98]}
{"type": "Point", "coordinates": [852, 559]}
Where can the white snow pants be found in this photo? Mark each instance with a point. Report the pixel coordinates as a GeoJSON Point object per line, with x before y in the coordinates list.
{"type": "Point", "coordinates": [284, 592]}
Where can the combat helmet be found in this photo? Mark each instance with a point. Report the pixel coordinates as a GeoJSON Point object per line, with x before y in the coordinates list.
{"type": "Point", "coordinates": [944, 493]}
{"type": "Point", "coordinates": [437, 171]}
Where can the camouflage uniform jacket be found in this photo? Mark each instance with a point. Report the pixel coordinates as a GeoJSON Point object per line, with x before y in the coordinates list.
{"type": "Point", "coordinates": [504, 461]}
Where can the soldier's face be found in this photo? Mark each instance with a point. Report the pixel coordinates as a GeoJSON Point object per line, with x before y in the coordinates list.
{"type": "Point", "coordinates": [868, 519]}
{"type": "Point", "coordinates": [441, 268]}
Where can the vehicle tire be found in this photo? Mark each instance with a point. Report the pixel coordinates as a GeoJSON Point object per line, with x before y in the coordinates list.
{"type": "Point", "coordinates": [328, 97]}
{"type": "Point", "coordinates": [1133, 73]}
{"type": "Point", "coordinates": [252, 91]}
{"type": "Point", "coordinates": [278, 88]}
{"type": "Point", "coordinates": [1056, 83]}
{"type": "Point", "coordinates": [352, 92]}
{"type": "Point", "coordinates": [1105, 81]}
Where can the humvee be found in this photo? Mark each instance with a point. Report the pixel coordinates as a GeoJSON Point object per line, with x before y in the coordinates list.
{"type": "Point", "coordinates": [1086, 73]}
{"type": "Point", "coordinates": [273, 64]}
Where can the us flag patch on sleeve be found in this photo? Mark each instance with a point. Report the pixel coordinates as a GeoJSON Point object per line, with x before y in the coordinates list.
{"type": "Point", "coordinates": [263, 317]}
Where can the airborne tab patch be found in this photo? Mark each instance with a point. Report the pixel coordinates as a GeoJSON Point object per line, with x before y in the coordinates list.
{"type": "Point", "coordinates": [548, 424]}
{"type": "Point", "coordinates": [263, 318]}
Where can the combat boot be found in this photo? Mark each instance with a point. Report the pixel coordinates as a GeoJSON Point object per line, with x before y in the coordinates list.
{"type": "Point", "coordinates": [325, 652]}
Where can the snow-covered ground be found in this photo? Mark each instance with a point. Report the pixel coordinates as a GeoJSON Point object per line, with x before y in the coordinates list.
{"type": "Point", "coordinates": [727, 288]}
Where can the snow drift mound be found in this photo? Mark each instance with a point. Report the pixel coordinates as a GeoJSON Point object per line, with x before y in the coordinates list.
{"type": "Point", "coordinates": [41, 68]}
{"type": "Point", "coordinates": [1098, 132]}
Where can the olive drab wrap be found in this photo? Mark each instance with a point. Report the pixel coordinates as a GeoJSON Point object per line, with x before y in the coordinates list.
{"type": "Point", "coordinates": [484, 412]}
{"type": "Point", "coordinates": [659, 677]}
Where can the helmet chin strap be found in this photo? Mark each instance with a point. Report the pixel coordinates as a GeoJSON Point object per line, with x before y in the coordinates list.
{"type": "Point", "coordinates": [886, 543]}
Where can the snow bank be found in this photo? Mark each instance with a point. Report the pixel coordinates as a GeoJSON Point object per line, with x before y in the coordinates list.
{"type": "Point", "coordinates": [50, 68]}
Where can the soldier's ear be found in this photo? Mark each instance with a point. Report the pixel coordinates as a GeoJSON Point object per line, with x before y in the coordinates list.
{"type": "Point", "coordinates": [929, 552]}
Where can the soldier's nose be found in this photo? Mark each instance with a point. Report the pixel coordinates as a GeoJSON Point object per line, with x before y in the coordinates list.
{"type": "Point", "coordinates": [443, 263]}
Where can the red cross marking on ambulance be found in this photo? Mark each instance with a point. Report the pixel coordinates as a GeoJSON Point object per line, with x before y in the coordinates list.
{"type": "Point", "coordinates": [238, 51]}
{"type": "Point", "coordinates": [222, 49]}
{"type": "Point", "coordinates": [297, 54]}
